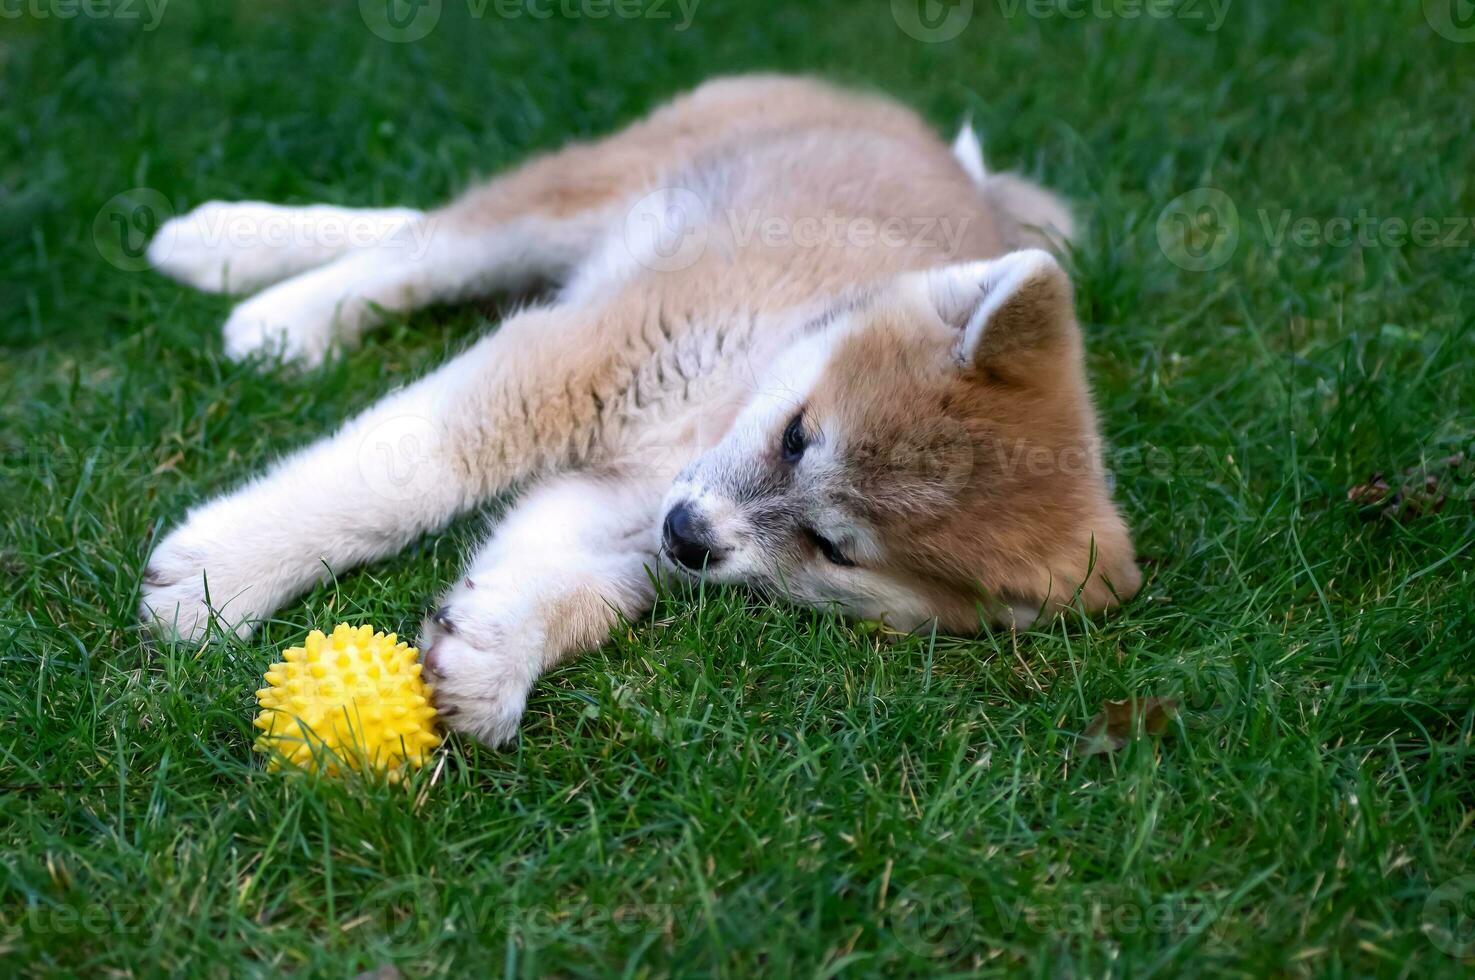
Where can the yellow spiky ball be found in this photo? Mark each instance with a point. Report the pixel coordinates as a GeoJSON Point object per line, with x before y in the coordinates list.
{"type": "Point", "coordinates": [354, 699]}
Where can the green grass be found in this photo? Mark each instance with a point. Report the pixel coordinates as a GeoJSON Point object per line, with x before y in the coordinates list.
{"type": "Point", "coordinates": [732, 787]}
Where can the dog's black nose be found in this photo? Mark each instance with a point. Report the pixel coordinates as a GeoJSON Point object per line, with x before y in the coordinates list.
{"type": "Point", "coordinates": [687, 539]}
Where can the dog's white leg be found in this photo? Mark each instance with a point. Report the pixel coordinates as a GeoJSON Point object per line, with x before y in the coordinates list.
{"type": "Point", "coordinates": [243, 246]}
{"type": "Point", "coordinates": [428, 261]}
{"type": "Point", "coordinates": [570, 558]}
{"type": "Point", "coordinates": [493, 416]}
{"type": "Point", "coordinates": [385, 477]}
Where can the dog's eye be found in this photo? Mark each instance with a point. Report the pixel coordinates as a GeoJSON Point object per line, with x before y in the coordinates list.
{"type": "Point", "coordinates": [794, 442]}
{"type": "Point", "coordinates": [827, 548]}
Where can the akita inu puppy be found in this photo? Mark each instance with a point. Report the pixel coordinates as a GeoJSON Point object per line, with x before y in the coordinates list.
{"type": "Point", "coordinates": [790, 344]}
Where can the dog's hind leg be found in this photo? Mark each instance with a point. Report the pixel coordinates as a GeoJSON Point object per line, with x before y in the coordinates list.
{"type": "Point", "coordinates": [528, 228]}
{"type": "Point", "coordinates": [532, 226]}
{"type": "Point", "coordinates": [244, 246]}
{"type": "Point", "coordinates": [435, 259]}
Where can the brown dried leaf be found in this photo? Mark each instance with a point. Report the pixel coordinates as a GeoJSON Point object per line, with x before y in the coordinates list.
{"type": "Point", "coordinates": [1374, 491]}
{"type": "Point", "coordinates": [1422, 490]}
{"type": "Point", "coordinates": [1118, 722]}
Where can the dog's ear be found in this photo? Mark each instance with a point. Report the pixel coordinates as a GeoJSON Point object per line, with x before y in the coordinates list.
{"type": "Point", "coordinates": [1005, 308]}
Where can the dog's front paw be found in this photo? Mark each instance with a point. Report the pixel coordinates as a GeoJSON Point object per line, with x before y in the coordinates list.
{"type": "Point", "coordinates": [482, 667]}
{"type": "Point", "coordinates": [284, 322]}
{"type": "Point", "coordinates": [193, 575]}
{"type": "Point", "coordinates": [222, 247]}
{"type": "Point", "coordinates": [192, 248]}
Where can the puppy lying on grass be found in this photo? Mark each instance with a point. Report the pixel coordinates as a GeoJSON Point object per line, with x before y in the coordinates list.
{"type": "Point", "coordinates": [793, 341]}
